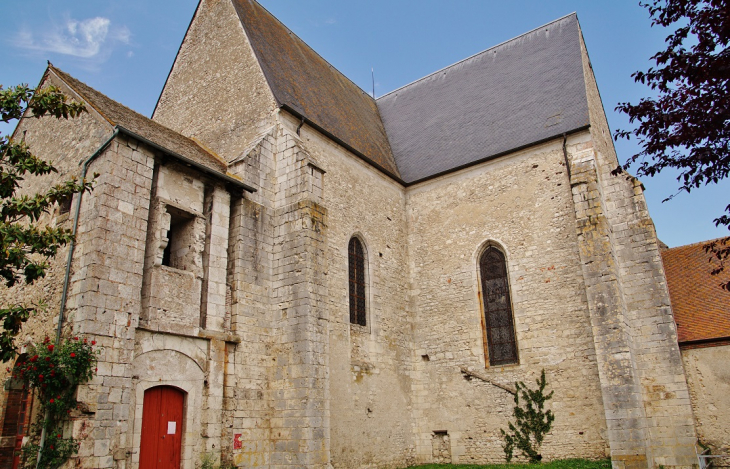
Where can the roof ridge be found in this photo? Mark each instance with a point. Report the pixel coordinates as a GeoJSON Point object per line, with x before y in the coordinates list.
{"type": "Point", "coordinates": [477, 54]}
{"type": "Point", "coordinates": [696, 244]}
{"type": "Point", "coordinates": [310, 47]}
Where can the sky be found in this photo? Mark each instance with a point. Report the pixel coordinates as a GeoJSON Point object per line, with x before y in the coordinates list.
{"type": "Point", "coordinates": [125, 50]}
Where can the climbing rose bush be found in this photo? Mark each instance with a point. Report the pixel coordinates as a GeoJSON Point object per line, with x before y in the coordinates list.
{"type": "Point", "coordinates": [53, 372]}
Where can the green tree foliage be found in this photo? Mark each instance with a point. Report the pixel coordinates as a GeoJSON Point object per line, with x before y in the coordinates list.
{"type": "Point", "coordinates": [687, 126]}
{"type": "Point", "coordinates": [25, 247]}
{"type": "Point", "coordinates": [532, 421]}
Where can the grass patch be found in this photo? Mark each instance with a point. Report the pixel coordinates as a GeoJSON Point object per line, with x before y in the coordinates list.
{"type": "Point", "coordinates": [561, 464]}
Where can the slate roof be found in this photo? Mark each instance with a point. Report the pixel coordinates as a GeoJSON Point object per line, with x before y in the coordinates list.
{"type": "Point", "coordinates": [518, 93]}
{"type": "Point", "coordinates": [118, 114]}
{"type": "Point", "coordinates": [701, 308]}
{"type": "Point", "coordinates": [305, 83]}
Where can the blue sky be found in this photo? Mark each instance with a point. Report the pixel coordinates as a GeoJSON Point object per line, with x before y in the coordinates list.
{"type": "Point", "coordinates": [125, 50]}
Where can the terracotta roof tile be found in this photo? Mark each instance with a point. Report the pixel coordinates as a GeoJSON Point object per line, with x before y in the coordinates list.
{"type": "Point", "coordinates": [701, 308]}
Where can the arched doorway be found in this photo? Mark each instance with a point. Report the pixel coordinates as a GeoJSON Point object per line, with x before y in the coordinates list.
{"type": "Point", "coordinates": [162, 419]}
{"type": "Point", "coordinates": [15, 420]}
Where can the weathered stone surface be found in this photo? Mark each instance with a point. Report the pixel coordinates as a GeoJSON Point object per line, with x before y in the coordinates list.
{"type": "Point", "coordinates": [241, 299]}
{"type": "Point", "coordinates": [708, 378]}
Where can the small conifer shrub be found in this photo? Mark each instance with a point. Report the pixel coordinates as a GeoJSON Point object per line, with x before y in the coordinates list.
{"type": "Point", "coordinates": [532, 421]}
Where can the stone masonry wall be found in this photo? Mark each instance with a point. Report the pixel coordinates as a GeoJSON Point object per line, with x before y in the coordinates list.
{"type": "Point", "coordinates": [64, 143]}
{"type": "Point", "coordinates": [299, 349]}
{"type": "Point", "coordinates": [668, 426]}
{"type": "Point", "coordinates": [708, 377]}
{"type": "Point", "coordinates": [370, 368]}
{"type": "Point", "coordinates": [522, 203]}
{"type": "Point", "coordinates": [216, 91]}
{"type": "Point", "coordinates": [247, 435]}
{"type": "Point", "coordinates": [105, 293]}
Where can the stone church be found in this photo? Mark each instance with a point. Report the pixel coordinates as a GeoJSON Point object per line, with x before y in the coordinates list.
{"type": "Point", "coordinates": [285, 272]}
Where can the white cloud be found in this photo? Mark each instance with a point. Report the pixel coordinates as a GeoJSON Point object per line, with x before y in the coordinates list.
{"type": "Point", "coordinates": [88, 39]}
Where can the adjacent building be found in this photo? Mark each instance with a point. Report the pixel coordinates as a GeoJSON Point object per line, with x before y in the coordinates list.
{"type": "Point", "coordinates": [305, 276]}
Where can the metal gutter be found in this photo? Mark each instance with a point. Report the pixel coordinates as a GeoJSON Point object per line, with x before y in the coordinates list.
{"type": "Point", "coordinates": [561, 135]}
{"type": "Point", "coordinates": [67, 275]}
{"type": "Point", "coordinates": [187, 161]}
{"type": "Point", "coordinates": [72, 246]}
{"type": "Point", "coordinates": [702, 343]}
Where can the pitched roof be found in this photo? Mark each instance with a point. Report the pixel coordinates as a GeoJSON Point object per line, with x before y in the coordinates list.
{"type": "Point", "coordinates": [701, 308]}
{"type": "Point", "coordinates": [518, 93]}
{"type": "Point", "coordinates": [303, 82]}
{"type": "Point", "coordinates": [117, 114]}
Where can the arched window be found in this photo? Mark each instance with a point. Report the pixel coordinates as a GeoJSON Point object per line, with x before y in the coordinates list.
{"type": "Point", "coordinates": [356, 261]}
{"type": "Point", "coordinates": [498, 318]}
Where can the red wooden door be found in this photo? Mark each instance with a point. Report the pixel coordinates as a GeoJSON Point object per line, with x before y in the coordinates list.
{"type": "Point", "coordinates": [14, 424]}
{"type": "Point", "coordinates": [162, 415]}
{"type": "Point", "coordinates": [20, 431]}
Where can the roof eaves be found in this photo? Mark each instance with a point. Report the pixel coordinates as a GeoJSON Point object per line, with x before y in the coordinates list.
{"type": "Point", "coordinates": [228, 179]}
{"type": "Point", "coordinates": [496, 155]}
{"type": "Point", "coordinates": [343, 144]}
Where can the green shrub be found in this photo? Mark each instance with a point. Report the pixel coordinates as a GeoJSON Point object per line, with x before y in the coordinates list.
{"type": "Point", "coordinates": [532, 422]}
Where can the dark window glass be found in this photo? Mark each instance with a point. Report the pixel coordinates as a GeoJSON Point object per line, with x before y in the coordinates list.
{"type": "Point", "coordinates": [356, 260]}
{"type": "Point", "coordinates": [498, 317]}
{"type": "Point", "coordinates": [64, 205]}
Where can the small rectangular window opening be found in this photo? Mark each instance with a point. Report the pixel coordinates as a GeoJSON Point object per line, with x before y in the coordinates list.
{"type": "Point", "coordinates": [64, 205]}
{"type": "Point", "coordinates": [181, 237]}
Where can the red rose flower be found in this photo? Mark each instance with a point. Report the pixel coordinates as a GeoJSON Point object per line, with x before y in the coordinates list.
{"type": "Point", "coordinates": [73, 355]}
{"type": "Point", "coordinates": [58, 436]}
{"type": "Point", "coordinates": [51, 401]}
{"type": "Point", "coordinates": [50, 348]}
{"type": "Point", "coordinates": [35, 357]}
{"type": "Point", "coordinates": [93, 342]}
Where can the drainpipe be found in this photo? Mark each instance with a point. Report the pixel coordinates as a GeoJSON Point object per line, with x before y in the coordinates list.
{"type": "Point", "coordinates": [72, 246]}
{"type": "Point", "coordinates": [565, 155]}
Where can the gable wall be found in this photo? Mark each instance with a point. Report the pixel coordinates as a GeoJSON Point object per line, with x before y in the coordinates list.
{"type": "Point", "coordinates": [521, 202]}
{"type": "Point", "coordinates": [216, 91]}
{"type": "Point", "coordinates": [64, 143]}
